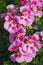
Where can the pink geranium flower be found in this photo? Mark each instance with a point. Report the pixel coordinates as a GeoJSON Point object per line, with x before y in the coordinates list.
{"type": "Point", "coordinates": [25, 47]}
{"type": "Point", "coordinates": [37, 46]}
{"type": "Point", "coordinates": [15, 46]}
{"type": "Point", "coordinates": [17, 58]}
{"type": "Point", "coordinates": [36, 3]}
{"type": "Point", "coordinates": [26, 20]}
{"type": "Point", "coordinates": [35, 27]}
{"type": "Point", "coordinates": [12, 47]}
{"type": "Point", "coordinates": [22, 2]}
{"type": "Point", "coordinates": [10, 27]}
{"type": "Point", "coordinates": [26, 10]}
{"type": "Point", "coordinates": [10, 18]}
{"type": "Point", "coordinates": [26, 54]}
{"type": "Point", "coordinates": [28, 16]}
{"type": "Point", "coordinates": [41, 34]}
{"type": "Point", "coordinates": [12, 9]}
{"type": "Point", "coordinates": [16, 37]}
{"type": "Point", "coordinates": [36, 6]}
{"type": "Point", "coordinates": [38, 13]}
{"type": "Point", "coordinates": [32, 38]}
{"type": "Point", "coordinates": [11, 23]}
{"type": "Point", "coordinates": [2, 15]}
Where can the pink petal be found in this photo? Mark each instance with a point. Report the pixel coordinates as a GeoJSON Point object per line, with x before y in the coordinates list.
{"type": "Point", "coordinates": [13, 57]}
{"type": "Point", "coordinates": [12, 47]}
{"type": "Point", "coordinates": [28, 59]}
{"type": "Point", "coordinates": [20, 58]}
{"type": "Point", "coordinates": [41, 33]}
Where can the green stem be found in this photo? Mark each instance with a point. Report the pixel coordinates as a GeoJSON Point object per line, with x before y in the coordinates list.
{"type": "Point", "coordinates": [24, 63]}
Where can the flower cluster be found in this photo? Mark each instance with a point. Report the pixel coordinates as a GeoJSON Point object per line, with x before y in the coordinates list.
{"type": "Point", "coordinates": [24, 47]}
{"type": "Point", "coordinates": [30, 10]}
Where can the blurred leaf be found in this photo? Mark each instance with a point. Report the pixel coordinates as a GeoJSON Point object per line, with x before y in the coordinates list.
{"type": "Point", "coordinates": [35, 61]}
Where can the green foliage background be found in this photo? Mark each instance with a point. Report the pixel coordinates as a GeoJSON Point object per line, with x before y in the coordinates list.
{"type": "Point", "coordinates": [4, 42]}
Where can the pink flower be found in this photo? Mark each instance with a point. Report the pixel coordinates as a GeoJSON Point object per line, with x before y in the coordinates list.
{"type": "Point", "coordinates": [18, 35]}
{"type": "Point", "coordinates": [39, 5]}
{"type": "Point", "coordinates": [11, 24]}
{"type": "Point", "coordinates": [12, 57]}
{"type": "Point", "coordinates": [35, 27]}
{"type": "Point", "coordinates": [38, 13]}
{"type": "Point", "coordinates": [9, 27]}
{"type": "Point", "coordinates": [26, 54]}
{"type": "Point", "coordinates": [20, 58]}
{"type": "Point", "coordinates": [10, 18]}
{"type": "Point", "coordinates": [11, 6]}
{"type": "Point", "coordinates": [21, 37]}
{"type": "Point", "coordinates": [3, 15]}
{"type": "Point", "coordinates": [41, 34]}
{"type": "Point", "coordinates": [15, 46]}
{"type": "Point", "coordinates": [35, 41]}
{"type": "Point", "coordinates": [37, 46]}
{"type": "Point", "coordinates": [12, 47]}
{"type": "Point", "coordinates": [26, 10]}
{"type": "Point", "coordinates": [26, 20]}
{"type": "Point", "coordinates": [36, 6]}
{"type": "Point", "coordinates": [28, 16]}
{"type": "Point", "coordinates": [37, 33]}
{"type": "Point", "coordinates": [12, 9]}
{"type": "Point", "coordinates": [26, 47]}
{"type": "Point", "coordinates": [32, 38]}
{"type": "Point", "coordinates": [36, 3]}
{"type": "Point", "coordinates": [22, 2]}
{"type": "Point", "coordinates": [14, 37]}
{"type": "Point", "coordinates": [17, 58]}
